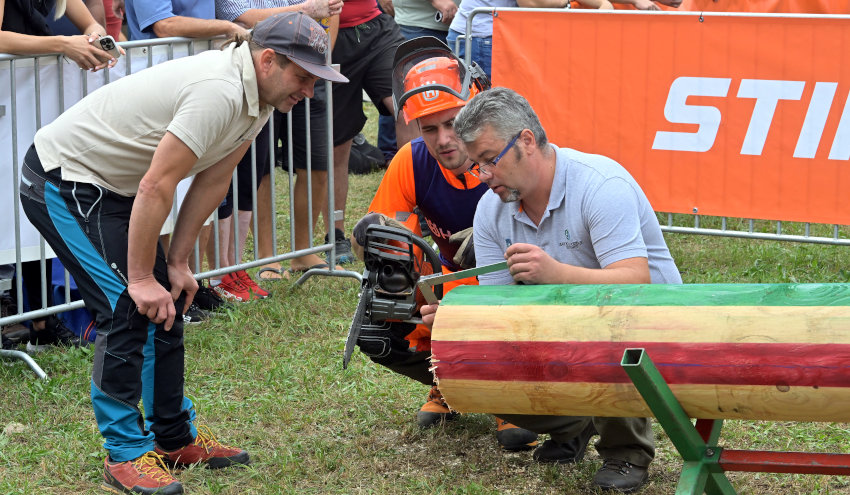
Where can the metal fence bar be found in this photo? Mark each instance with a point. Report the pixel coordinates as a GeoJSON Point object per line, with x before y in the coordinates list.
{"type": "Point", "coordinates": [273, 196]}
{"type": "Point", "coordinates": [781, 231]}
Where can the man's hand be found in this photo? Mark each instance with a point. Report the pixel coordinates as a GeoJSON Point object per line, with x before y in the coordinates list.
{"type": "Point", "coordinates": [182, 280]}
{"type": "Point", "coordinates": [153, 300]}
{"type": "Point", "coordinates": [319, 9]}
{"type": "Point", "coordinates": [358, 235]}
{"type": "Point", "coordinates": [235, 29]}
{"type": "Point", "coordinates": [670, 3]}
{"type": "Point", "coordinates": [387, 7]}
{"type": "Point", "coordinates": [428, 311]}
{"type": "Point", "coordinates": [447, 8]}
{"type": "Point", "coordinates": [465, 255]}
{"type": "Point", "coordinates": [529, 264]}
{"type": "Point", "coordinates": [645, 5]}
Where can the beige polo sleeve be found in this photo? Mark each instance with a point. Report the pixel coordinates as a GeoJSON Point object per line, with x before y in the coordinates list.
{"type": "Point", "coordinates": [205, 111]}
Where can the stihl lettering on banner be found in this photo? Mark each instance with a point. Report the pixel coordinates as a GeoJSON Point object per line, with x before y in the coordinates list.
{"type": "Point", "coordinates": [767, 94]}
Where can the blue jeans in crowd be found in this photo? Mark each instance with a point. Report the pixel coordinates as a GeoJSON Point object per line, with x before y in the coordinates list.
{"type": "Point", "coordinates": [482, 49]}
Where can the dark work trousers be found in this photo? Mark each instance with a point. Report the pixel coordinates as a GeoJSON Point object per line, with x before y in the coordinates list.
{"type": "Point", "coordinates": [625, 439]}
{"type": "Point", "coordinates": [87, 225]}
{"type": "Point", "coordinates": [416, 366]}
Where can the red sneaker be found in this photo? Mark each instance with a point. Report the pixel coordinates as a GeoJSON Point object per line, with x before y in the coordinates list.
{"type": "Point", "coordinates": [231, 288]}
{"type": "Point", "coordinates": [206, 449]}
{"type": "Point", "coordinates": [146, 475]}
{"type": "Point", "coordinates": [258, 292]}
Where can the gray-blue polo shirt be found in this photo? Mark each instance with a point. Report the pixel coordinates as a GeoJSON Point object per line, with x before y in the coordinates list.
{"type": "Point", "coordinates": [597, 215]}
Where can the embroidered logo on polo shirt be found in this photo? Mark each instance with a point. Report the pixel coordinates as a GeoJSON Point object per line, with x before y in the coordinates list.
{"type": "Point", "coordinates": [569, 244]}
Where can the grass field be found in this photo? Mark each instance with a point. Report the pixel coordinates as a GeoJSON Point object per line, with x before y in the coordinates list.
{"type": "Point", "coordinates": [268, 377]}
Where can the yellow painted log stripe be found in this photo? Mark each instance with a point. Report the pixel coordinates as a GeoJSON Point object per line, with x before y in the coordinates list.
{"type": "Point", "coordinates": [768, 324]}
{"type": "Point", "coordinates": [623, 400]}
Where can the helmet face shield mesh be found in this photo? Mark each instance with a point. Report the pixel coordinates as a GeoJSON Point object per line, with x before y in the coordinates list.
{"type": "Point", "coordinates": [428, 78]}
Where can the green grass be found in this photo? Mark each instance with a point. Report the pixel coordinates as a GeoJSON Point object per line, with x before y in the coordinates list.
{"type": "Point", "coordinates": [268, 377]}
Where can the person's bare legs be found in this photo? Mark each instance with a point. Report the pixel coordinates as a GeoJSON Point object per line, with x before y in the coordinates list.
{"type": "Point", "coordinates": [210, 246]}
{"type": "Point", "coordinates": [165, 241]}
{"type": "Point", "coordinates": [244, 226]}
{"type": "Point", "coordinates": [263, 238]}
{"type": "Point", "coordinates": [225, 245]}
{"type": "Point", "coordinates": [319, 188]}
{"type": "Point", "coordinates": [341, 154]}
{"type": "Point", "coordinates": [203, 239]}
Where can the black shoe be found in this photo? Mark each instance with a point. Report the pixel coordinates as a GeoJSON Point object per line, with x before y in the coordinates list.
{"type": "Point", "coordinates": [568, 452]}
{"type": "Point", "coordinates": [207, 300]}
{"type": "Point", "coordinates": [364, 158]}
{"type": "Point", "coordinates": [16, 334]}
{"type": "Point", "coordinates": [55, 333]}
{"type": "Point", "coordinates": [435, 411]}
{"type": "Point", "coordinates": [194, 315]}
{"type": "Point", "coordinates": [513, 438]}
{"type": "Point", "coordinates": [343, 247]}
{"type": "Point", "coordinates": [8, 344]}
{"type": "Point", "coordinates": [620, 476]}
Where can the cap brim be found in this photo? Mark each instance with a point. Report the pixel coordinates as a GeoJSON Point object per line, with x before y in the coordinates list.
{"type": "Point", "coordinates": [318, 70]}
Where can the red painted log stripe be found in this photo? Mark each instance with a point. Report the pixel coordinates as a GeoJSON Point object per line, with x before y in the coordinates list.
{"type": "Point", "coordinates": [780, 365]}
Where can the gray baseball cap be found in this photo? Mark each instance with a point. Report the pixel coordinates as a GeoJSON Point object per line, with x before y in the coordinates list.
{"type": "Point", "coordinates": [300, 39]}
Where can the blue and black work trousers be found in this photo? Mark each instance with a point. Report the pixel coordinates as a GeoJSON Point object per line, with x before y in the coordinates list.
{"type": "Point", "coordinates": [87, 227]}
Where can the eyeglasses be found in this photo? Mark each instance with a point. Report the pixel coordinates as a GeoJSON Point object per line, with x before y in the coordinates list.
{"type": "Point", "coordinates": [477, 169]}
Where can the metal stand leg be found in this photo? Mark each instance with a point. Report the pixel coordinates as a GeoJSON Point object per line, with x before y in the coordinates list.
{"type": "Point", "coordinates": [701, 472]}
{"type": "Point", "coordinates": [23, 356]}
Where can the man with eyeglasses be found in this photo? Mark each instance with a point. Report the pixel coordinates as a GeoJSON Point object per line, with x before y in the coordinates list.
{"type": "Point", "coordinates": [429, 176]}
{"type": "Point", "coordinates": [559, 216]}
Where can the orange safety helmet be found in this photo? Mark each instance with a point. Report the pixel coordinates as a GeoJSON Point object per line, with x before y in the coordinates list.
{"type": "Point", "coordinates": [429, 78]}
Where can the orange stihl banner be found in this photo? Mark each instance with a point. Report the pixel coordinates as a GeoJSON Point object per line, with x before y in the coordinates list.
{"type": "Point", "coordinates": [717, 114]}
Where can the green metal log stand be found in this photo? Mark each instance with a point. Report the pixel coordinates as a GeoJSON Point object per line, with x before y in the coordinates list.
{"type": "Point", "coordinates": [705, 463]}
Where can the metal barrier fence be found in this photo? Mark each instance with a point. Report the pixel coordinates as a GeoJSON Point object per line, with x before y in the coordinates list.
{"type": "Point", "coordinates": [48, 84]}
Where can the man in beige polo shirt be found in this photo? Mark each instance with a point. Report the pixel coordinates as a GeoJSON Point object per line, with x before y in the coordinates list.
{"type": "Point", "coordinates": [98, 183]}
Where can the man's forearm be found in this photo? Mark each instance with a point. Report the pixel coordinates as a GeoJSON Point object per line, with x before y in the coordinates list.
{"type": "Point", "coordinates": [200, 201]}
{"type": "Point", "coordinates": [205, 194]}
{"type": "Point", "coordinates": [150, 209]}
{"type": "Point", "coordinates": [556, 4]}
{"type": "Point", "coordinates": [190, 27]}
{"type": "Point", "coordinates": [616, 273]}
{"type": "Point", "coordinates": [252, 16]}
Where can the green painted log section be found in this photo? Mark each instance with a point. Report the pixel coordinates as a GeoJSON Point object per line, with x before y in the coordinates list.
{"type": "Point", "coordinates": [652, 295]}
{"type": "Point", "coordinates": [728, 351]}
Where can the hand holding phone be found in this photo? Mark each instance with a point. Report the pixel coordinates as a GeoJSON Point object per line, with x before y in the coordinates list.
{"type": "Point", "coordinates": [107, 44]}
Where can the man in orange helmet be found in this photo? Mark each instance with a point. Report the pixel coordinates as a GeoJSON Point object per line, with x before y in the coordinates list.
{"type": "Point", "coordinates": [428, 177]}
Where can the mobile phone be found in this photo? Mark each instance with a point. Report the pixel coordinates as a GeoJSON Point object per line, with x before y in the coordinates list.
{"type": "Point", "coordinates": [107, 44]}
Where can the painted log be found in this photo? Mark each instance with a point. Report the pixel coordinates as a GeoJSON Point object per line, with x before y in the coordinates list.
{"type": "Point", "coordinates": [748, 351]}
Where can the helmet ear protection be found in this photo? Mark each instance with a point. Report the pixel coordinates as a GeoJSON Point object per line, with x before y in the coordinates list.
{"type": "Point", "coordinates": [429, 78]}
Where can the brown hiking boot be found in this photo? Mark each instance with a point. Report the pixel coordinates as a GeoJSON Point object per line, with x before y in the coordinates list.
{"type": "Point", "coordinates": [146, 475]}
{"type": "Point", "coordinates": [207, 450]}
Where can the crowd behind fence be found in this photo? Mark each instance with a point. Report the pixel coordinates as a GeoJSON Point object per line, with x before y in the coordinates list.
{"type": "Point", "coordinates": [36, 89]}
